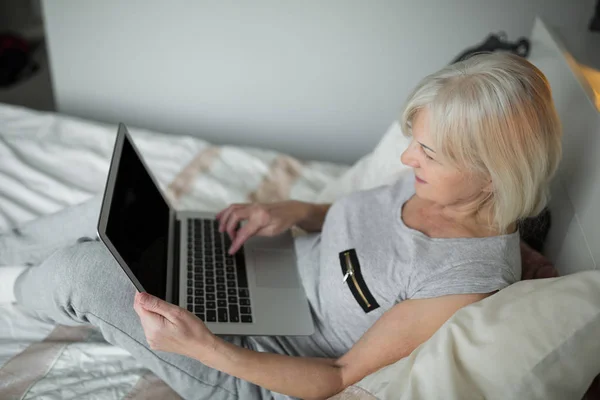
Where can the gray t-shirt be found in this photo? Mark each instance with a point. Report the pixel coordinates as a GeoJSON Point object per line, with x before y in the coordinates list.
{"type": "Point", "coordinates": [390, 262]}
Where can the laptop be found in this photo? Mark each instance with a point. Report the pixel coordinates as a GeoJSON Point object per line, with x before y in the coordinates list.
{"type": "Point", "coordinates": [181, 257]}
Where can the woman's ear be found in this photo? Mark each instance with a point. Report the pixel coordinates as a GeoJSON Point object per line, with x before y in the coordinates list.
{"type": "Point", "coordinates": [489, 187]}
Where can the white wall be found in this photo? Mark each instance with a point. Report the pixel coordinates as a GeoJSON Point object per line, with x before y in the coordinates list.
{"type": "Point", "coordinates": [316, 79]}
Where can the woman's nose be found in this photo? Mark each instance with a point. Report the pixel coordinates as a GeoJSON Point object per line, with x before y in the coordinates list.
{"type": "Point", "coordinates": [409, 157]}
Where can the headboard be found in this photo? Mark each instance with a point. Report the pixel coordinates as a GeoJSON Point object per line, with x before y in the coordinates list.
{"type": "Point", "coordinates": [573, 243]}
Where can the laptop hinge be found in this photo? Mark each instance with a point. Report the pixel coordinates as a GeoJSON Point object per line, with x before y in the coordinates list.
{"type": "Point", "coordinates": [176, 258]}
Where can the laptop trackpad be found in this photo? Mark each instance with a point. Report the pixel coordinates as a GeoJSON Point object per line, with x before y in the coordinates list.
{"type": "Point", "coordinates": [273, 269]}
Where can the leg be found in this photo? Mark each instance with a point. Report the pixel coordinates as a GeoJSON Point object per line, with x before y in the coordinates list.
{"type": "Point", "coordinates": [34, 241]}
{"type": "Point", "coordinates": [83, 284]}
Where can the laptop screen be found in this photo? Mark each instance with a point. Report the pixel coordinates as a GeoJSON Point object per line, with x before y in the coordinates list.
{"type": "Point", "coordinates": [138, 222]}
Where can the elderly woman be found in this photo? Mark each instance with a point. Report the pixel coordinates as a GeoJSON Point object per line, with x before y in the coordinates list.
{"type": "Point", "coordinates": [486, 141]}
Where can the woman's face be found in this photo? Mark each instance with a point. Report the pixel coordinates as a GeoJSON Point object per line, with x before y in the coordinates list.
{"type": "Point", "coordinates": [437, 180]}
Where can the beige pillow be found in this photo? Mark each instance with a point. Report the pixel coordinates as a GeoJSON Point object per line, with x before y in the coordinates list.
{"type": "Point", "coordinates": [536, 339]}
{"type": "Point", "coordinates": [380, 167]}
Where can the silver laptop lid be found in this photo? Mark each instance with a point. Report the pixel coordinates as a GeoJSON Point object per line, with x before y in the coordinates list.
{"type": "Point", "coordinates": [136, 221]}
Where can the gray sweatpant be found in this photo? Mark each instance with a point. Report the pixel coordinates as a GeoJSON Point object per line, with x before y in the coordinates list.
{"type": "Point", "coordinates": [75, 280]}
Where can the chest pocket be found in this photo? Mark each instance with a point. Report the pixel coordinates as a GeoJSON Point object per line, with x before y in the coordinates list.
{"type": "Point", "coordinates": [354, 279]}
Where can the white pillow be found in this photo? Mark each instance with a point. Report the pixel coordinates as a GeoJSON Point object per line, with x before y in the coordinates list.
{"type": "Point", "coordinates": [380, 167]}
{"type": "Point", "coordinates": [535, 339]}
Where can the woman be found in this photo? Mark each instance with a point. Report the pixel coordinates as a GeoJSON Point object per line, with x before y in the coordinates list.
{"type": "Point", "coordinates": [383, 269]}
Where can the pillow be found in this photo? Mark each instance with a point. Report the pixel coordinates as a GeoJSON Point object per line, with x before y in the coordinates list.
{"type": "Point", "coordinates": [536, 339]}
{"type": "Point", "coordinates": [380, 167]}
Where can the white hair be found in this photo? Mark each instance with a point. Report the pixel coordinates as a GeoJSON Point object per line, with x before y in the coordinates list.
{"type": "Point", "coordinates": [493, 114]}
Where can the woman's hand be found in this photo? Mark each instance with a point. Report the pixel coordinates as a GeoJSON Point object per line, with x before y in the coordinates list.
{"type": "Point", "coordinates": [171, 328]}
{"type": "Point", "coordinates": [263, 220]}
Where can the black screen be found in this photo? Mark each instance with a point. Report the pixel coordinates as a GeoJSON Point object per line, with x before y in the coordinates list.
{"type": "Point", "coordinates": [138, 223]}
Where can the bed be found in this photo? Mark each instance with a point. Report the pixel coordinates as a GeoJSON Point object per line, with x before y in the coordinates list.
{"type": "Point", "coordinates": [50, 161]}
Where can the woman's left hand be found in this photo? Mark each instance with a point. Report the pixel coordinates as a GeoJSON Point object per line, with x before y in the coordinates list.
{"type": "Point", "coordinates": [171, 328]}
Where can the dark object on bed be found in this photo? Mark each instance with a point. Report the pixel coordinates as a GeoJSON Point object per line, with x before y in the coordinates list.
{"type": "Point", "coordinates": [16, 63]}
{"type": "Point", "coordinates": [494, 43]}
{"type": "Point", "coordinates": [533, 231]}
{"type": "Point", "coordinates": [595, 22]}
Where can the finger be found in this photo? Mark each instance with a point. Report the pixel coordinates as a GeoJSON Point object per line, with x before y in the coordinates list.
{"type": "Point", "coordinates": [220, 213]}
{"type": "Point", "coordinates": [148, 318]}
{"type": "Point", "coordinates": [153, 326]}
{"type": "Point", "coordinates": [156, 305]}
{"type": "Point", "coordinates": [137, 308]}
{"type": "Point", "coordinates": [136, 302]}
{"type": "Point", "coordinates": [226, 215]}
{"type": "Point", "coordinates": [235, 218]}
{"type": "Point", "coordinates": [221, 216]}
{"type": "Point", "coordinates": [243, 234]}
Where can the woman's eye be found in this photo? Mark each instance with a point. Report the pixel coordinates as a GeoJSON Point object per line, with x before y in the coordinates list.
{"type": "Point", "coordinates": [427, 155]}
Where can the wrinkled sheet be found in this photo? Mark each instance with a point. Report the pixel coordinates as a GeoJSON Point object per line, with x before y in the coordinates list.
{"type": "Point", "coordinates": [48, 162]}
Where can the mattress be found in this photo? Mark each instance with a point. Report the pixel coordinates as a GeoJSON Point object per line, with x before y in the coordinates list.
{"type": "Point", "coordinates": [50, 161]}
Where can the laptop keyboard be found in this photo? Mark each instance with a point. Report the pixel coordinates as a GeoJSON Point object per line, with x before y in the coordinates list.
{"type": "Point", "coordinates": [217, 283]}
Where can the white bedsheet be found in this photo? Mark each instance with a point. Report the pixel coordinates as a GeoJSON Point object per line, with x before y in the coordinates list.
{"type": "Point", "coordinates": [49, 161]}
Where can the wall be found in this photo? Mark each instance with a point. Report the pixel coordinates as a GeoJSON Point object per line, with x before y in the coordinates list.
{"type": "Point", "coordinates": [318, 80]}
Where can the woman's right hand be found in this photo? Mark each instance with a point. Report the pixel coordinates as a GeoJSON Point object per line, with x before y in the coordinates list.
{"type": "Point", "coordinates": [262, 219]}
